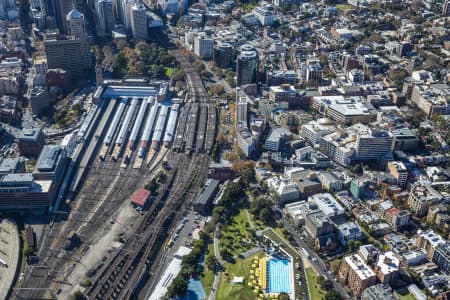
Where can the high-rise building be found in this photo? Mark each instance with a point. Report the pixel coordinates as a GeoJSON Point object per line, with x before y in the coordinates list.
{"type": "Point", "coordinates": [64, 53]}
{"type": "Point", "coordinates": [6, 7]}
{"type": "Point", "coordinates": [441, 256]}
{"type": "Point", "coordinates": [203, 45]}
{"type": "Point", "coordinates": [241, 109]}
{"type": "Point", "coordinates": [372, 145]}
{"type": "Point", "coordinates": [314, 72]}
{"type": "Point", "coordinates": [223, 55]}
{"type": "Point", "coordinates": [246, 65]}
{"type": "Point", "coordinates": [72, 52]}
{"type": "Point", "coordinates": [428, 241]}
{"type": "Point", "coordinates": [399, 171]}
{"type": "Point", "coordinates": [105, 17]}
{"type": "Point", "coordinates": [139, 25]}
{"type": "Point", "coordinates": [446, 9]}
{"type": "Point", "coordinates": [421, 197]}
{"type": "Point", "coordinates": [127, 7]}
{"type": "Point", "coordinates": [62, 9]}
{"type": "Point", "coordinates": [77, 30]}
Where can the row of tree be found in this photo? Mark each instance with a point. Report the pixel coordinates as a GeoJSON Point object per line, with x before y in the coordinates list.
{"type": "Point", "coordinates": [189, 268]}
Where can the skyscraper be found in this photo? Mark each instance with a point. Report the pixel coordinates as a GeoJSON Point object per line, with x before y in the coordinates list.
{"type": "Point", "coordinates": [71, 52]}
{"type": "Point", "coordinates": [139, 24]}
{"type": "Point", "coordinates": [127, 7]}
{"type": "Point", "coordinates": [63, 7]}
{"type": "Point", "coordinates": [105, 17]}
{"type": "Point", "coordinates": [246, 65]}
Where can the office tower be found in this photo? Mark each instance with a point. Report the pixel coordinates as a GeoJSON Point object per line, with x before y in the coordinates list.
{"type": "Point", "coordinates": [61, 10]}
{"type": "Point", "coordinates": [446, 9]}
{"type": "Point", "coordinates": [139, 21]}
{"type": "Point", "coordinates": [7, 6]}
{"type": "Point", "coordinates": [223, 55]}
{"type": "Point", "coordinates": [246, 65]}
{"type": "Point", "coordinates": [105, 17]}
{"type": "Point", "coordinates": [203, 45]}
{"type": "Point", "coordinates": [77, 29]}
{"type": "Point", "coordinates": [241, 109]}
{"type": "Point", "coordinates": [127, 7]}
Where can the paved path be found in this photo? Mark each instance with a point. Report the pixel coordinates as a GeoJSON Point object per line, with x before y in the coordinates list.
{"type": "Point", "coordinates": [212, 296]}
{"type": "Point", "coordinates": [250, 221]}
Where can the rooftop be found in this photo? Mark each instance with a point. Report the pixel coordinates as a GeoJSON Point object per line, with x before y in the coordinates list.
{"type": "Point", "coordinates": [388, 263]}
{"type": "Point", "coordinates": [359, 266]}
{"type": "Point", "coordinates": [48, 158]}
{"type": "Point", "coordinates": [29, 135]}
{"type": "Point", "coordinates": [140, 197]}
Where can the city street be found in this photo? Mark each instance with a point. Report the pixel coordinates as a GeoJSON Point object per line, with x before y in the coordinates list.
{"type": "Point", "coordinates": [315, 261]}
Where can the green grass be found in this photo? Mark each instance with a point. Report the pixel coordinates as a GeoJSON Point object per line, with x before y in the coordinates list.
{"type": "Point", "coordinates": [314, 288]}
{"type": "Point", "coordinates": [207, 278]}
{"type": "Point", "coordinates": [227, 291]}
{"type": "Point", "coordinates": [169, 71]}
{"type": "Point", "coordinates": [344, 7]}
{"type": "Point", "coordinates": [404, 295]}
{"type": "Point", "coordinates": [249, 6]}
{"type": "Point", "coordinates": [237, 237]}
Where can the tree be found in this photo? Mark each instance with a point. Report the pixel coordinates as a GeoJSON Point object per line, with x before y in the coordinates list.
{"type": "Point", "coordinates": [266, 215]}
{"type": "Point", "coordinates": [178, 287]}
{"type": "Point", "coordinates": [27, 250]}
{"type": "Point", "coordinates": [333, 295]}
{"type": "Point", "coordinates": [211, 262]}
{"type": "Point", "coordinates": [77, 295]}
{"type": "Point", "coordinates": [283, 296]}
{"type": "Point", "coordinates": [217, 89]}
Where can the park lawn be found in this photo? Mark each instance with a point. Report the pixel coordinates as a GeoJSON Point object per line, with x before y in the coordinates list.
{"type": "Point", "coordinates": [344, 7]}
{"type": "Point", "coordinates": [169, 71]}
{"type": "Point", "coordinates": [406, 295]}
{"type": "Point", "coordinates": [237, 237]}
{"type": "Point", "coordinates": [315, 291]}
{"type": "Point", "coordinates": [207, 278]}
{"type": "Point", "coordinates": [227, 291]}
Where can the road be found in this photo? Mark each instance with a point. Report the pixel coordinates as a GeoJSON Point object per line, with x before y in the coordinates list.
{"type": "Point", "coordinates": [318, 265]}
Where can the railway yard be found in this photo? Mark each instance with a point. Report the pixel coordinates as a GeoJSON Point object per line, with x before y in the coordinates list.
{"type": "Point", "coordinates": [126, 138]}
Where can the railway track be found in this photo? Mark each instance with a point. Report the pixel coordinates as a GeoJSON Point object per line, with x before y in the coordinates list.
{"type": "Point", "coordinates": [199, 134]}
{"type": "Point", "coordinates": [117, 280]}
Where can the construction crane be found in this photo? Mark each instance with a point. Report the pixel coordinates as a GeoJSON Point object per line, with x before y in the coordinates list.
{"type": "Point", "coordinates": [385, 186]}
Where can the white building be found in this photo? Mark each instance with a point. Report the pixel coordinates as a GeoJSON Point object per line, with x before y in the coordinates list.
{"type": "Point", "coordinates": [314, 130]}
{"type": "Point", "coordinates": [265, 15]}
{"type": "Point", "coordinates": [203, 46]}
{"type": "Point", "coordinates": [276, 137]}
{"type": "Point", "coordinates": [285, 188]}
{"type": "Point", "coordinates": [327, 204]}
{"type": "Point", "coordinates": [349, 231]}
{"type": "Point", "coordinates": [330, 182]}
{"type": "Point", "coordinates": [245, 140]}
{"type": "Point", "coordinates": [387, 267]}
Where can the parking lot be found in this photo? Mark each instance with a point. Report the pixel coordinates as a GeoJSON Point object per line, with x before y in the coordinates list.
{"type": "Point", "coordinates": [9, 255]}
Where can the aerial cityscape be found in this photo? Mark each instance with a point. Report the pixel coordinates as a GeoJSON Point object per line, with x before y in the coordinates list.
{"type": "Point", "coordinates": [225, 149]}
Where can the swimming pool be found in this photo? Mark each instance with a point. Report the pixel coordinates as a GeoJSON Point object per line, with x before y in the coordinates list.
{"type": "Point", "coordinates": [279, 272]}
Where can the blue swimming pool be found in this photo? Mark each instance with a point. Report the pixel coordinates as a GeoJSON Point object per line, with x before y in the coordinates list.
{"type": "Point", "coordinates": [279, 272]}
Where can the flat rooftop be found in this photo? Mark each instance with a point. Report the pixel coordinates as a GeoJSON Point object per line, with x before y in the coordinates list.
{"type": "Point", "coordinates": [359, 266]}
